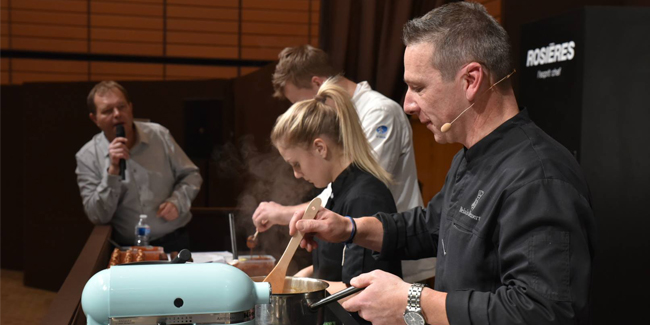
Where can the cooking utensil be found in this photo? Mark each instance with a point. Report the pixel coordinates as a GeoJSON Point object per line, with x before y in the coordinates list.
{"type": "Point", "coordinates": [251, 241]}
{"type": "Point", "coordinates": [277, 276]}
{"type": "Point", "coordinates": [300, 303]}
{"type": "Point", "coordinates": [233, 237]}
{"type": "Point", "coordinates": [335, 297]}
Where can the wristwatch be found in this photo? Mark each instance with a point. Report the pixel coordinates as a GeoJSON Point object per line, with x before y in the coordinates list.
{"type": "Point", "coordinates": [413, 313]}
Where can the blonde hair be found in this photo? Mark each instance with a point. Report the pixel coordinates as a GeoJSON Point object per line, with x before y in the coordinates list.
{"type": "Point", "coordinates": [298, 65]}
{"type": "Point", "coordinates": [309, 119]}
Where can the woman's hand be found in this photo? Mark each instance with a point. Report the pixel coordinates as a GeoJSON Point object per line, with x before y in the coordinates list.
{"type": "Point", "coordinates": [327, 225]}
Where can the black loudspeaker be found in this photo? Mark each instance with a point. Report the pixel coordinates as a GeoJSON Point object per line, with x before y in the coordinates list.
{"type": "Point", "coordinates": [585, 80]}
{"type": "Point", "coordinates": [204, 126]}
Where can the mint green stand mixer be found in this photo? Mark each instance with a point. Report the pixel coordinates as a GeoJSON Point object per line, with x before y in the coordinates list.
{"type": "Point", "coordinates": [157, 294]}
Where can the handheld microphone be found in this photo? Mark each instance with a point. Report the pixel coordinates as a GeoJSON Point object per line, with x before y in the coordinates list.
{"type": "Point", "coordinates": [445, 127]}
{"type": "Point", "coordinates": [119, 132]}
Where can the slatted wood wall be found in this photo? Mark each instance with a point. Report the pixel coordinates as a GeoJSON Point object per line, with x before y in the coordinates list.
{"type": "Point", "coordinates": [175, 28]}
{"type": "Point", "coordinates": [215, 29]}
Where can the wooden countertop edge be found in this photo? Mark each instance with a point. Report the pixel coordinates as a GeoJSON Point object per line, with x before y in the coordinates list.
{"type": "Point", "coordinates": [66, 307]}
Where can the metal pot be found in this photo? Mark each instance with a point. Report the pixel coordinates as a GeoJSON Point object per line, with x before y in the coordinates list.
{"type": "Point", "coordinates": [301, 305]}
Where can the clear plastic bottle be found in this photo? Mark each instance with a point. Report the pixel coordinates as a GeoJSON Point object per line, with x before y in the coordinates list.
{"type": "Point", "coordinates": [142, 231]}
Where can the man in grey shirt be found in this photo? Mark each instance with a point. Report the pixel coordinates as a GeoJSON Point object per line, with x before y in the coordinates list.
{"type": "Point", "coordinates": [160, 180]}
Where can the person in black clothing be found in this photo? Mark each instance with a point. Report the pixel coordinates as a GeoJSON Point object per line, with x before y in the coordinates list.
{"type": "Point", "coordinates": [322, 140]}
{"type": "Point", "coordinates": [512, 227]}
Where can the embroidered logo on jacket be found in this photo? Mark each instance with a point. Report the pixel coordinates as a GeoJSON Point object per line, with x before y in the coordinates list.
{"type": "Point", "coordinates": [382, 131]}
{"type": "Point", "coordinates": [469, 212]}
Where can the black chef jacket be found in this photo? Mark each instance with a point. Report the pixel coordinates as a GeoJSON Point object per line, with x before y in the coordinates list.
{"type": "Point", "coordinates": [512, 228]}
{"type": "Point", "coordinates": [355, 193]}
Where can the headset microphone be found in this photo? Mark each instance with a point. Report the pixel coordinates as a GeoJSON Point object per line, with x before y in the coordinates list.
{"type": "Point", "coordinates": [445, 127]}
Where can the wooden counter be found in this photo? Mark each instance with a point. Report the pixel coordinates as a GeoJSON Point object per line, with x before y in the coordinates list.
{"type": "Point", "coordinates": [209, 231]}
{"type": "Point", "coordinates": [66, 307]}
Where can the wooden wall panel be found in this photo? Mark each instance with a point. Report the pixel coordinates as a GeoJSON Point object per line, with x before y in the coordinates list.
{"type": "Point", "coordinates": [49, 31]}
{"type": "Point", "coordinates": [4, 71]}
{"type": "Point", "coordinates": [315, 16]}
{"type": "Point", "coordinates": [136, 1]}
{"type": "Point", "coordinates": [122, 77]}
{"type": "Point", "coordinates": [32, 70]}
{"type": "Point", "coordinates": [189, 12]}
{"type": "Point", "coordinates": [54, 45]}
{"type": "Point", "coordinates": [260, 53]}
{"type": "Point", "coordinates": [4, 13]}
{"type": "Point", "coordinates": [276, 4]}
{"type": "Point", "coordinates": [137, 69]}
{"type": "Point", "coordinates": [124, 22]}
{"type": "Point", "coordinates": [129, 35]}
{"type": "Point", "coordinates": [201, 26]}
{"type": "Point", "coordinates": [130, 48]}
{"type": "Point", "coordinates": [49, 66]}
{"type": "Point", "coordinates": [272, 41]}
{"type": "Point", "coordinates": [274, 29]}
{"type": "Point", "coordinates": [4, 42]}
{"type": "Point", "coordinates": [202, 38]}
{"type": "Point", "coordinates": [43, 17]}
{"type": "Point", "coordinates": [130, 9]}
{"type": "Point", "coordinates": [199, 51]}
{"type": "Point", "coordinates": [22, 77]}
{"type": "Point", "coordinates": [158, 28]}
{"type": "Point", "coordinates": [201, 72]}
{"type": "Point", "coordinates": [53, 25]}
{"type": "Point", "coordinates": [247, 70]}
{"type": "Point", "coordinates": [493, 7]}
{"type": "Point", "coordinates": [4, 36]}
{"type": "Point", "coordinates": [207, 3]}
{"type": "Point", "coordinates": [314, 30]}
{"type": "Point", "coordinates": [80, 6]}
{"type": "Point", "coordinates": [275, 16]}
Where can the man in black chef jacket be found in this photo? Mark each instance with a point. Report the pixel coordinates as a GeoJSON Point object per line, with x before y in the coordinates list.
{"type": "Point", "coordinates": [512, 227]}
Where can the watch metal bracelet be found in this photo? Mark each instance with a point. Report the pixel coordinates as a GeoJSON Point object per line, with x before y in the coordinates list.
{"type": "Point", "coordinates": [413, 303]}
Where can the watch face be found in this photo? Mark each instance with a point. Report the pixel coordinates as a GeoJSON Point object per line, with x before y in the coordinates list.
{"type": "Point", "coordinates": [413, 318]}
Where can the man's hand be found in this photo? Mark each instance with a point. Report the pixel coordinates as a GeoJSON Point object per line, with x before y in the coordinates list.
{"type": "Point", "coordinates": [168, 211]}
{"type": "Point", "coordinates": [327, 225]}
{"type": "Point", "coordinates": [268, 214]}
{"type": "Point", "coordinates": [384, 299]}
{"type": "Point", "coordinates": [117, 150]}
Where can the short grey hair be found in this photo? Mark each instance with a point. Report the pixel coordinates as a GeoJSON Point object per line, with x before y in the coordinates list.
{"type": "Point", "coordinates": [460, 33]}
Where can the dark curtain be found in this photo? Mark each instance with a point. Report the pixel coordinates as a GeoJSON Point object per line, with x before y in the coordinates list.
{"type": "Point", "coordinates": [364, 39]}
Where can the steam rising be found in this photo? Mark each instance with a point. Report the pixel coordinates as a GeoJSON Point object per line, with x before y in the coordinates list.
{"type": "Point", "coordinates": [267, 178]}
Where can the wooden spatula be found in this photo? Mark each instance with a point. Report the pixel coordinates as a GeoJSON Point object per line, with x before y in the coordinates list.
{"type": "Point", "coordinates": [277, 276]}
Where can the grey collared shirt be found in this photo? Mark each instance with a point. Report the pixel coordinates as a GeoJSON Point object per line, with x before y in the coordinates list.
{"type": "Point", "coordinates": [157, 171]}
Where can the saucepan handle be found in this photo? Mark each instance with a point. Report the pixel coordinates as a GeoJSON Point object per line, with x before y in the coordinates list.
{"type": "Point", "coordinates": [339, 295]}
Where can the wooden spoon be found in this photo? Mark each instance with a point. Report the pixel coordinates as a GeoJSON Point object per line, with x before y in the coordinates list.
{"type": "Point", "coordinates": [278, 274]}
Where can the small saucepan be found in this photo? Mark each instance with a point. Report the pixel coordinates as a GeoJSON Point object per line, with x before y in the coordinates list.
{"type": "Point", "coordinates": [301, 304]}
